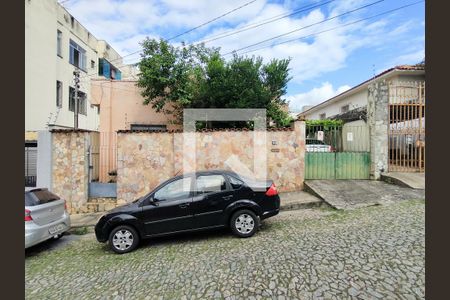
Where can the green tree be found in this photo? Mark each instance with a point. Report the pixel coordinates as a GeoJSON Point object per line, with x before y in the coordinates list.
{"type": "Point", "coordinates": [194, 76]}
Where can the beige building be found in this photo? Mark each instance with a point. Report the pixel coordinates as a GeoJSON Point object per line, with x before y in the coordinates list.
{"type": "Point", "coordinates": [356, 97]}
{"type": "Point", "coordinates": [121, 108]}
{"type": "Point", "coordinates": [55, 45]}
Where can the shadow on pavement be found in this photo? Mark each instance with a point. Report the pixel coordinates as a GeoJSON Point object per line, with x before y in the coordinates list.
{"type": "Point", "coordinates": [51, 244]}
{"type": "Point", "coordinates": [188, 237]}
{"type": "Point", "coordinates": [192, 237]}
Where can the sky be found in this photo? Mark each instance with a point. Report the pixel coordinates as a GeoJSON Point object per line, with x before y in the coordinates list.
{"type": "Point", "coordinates": [329, 52]}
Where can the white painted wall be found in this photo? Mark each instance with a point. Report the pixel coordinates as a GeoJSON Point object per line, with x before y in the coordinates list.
{"type": "Point", "coordinates": [44, 160]}
{"type": "Point", "coordinates": [356, 100]}
{"type": "Point", "coordinates": [43, 67]}
{"type": "Point", "coordinates": [40, 63]}
{"type": "Point", "coordinates": [408, 78]}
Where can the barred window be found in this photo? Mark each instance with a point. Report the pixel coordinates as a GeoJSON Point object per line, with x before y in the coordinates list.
{"type": "Point", "coordinates": [59, 93]}
{"type": "Point", "coordinates": [81, 101]}
{"type": "Point", "coordinates": [345, 108]}
{"type": "Point", "coordinates": [59, 43]}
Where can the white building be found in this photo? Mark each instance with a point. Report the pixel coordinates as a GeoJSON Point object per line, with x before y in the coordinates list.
{"type": "Point", "coordinates": [55, 45]}
{"type": "Point", "coordinates": [356, 97]}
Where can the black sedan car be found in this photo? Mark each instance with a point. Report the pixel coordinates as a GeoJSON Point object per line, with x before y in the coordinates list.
{"type": "Point", "coordinates": [191, 202]}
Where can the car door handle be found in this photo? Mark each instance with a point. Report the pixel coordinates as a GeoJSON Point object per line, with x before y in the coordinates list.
{"type": "Point", "coordinates": [184, 205]}
{"type": "Point", "coordinates": [227, 197]}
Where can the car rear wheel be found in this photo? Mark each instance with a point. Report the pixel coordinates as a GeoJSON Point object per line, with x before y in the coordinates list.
{"type": "Point", "coordinates": [123, 239]}
{"type": "Point", "coordinates": [244, 223]}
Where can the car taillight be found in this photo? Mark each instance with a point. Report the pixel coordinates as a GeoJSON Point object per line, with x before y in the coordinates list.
{"type": "Point", "coordinates": [332, 149]}
{"type": "Point", "coordinates": [27, 215]}
{"type": "Point", "coordinates": [65, 205]}
{"type": "Point", "coordinates": [272, 191]}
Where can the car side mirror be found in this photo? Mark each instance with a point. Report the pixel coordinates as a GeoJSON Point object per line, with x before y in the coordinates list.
{"type": "Point", "coordinates": [153, 201]}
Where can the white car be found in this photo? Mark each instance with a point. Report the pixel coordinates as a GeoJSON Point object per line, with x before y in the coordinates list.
{"type": "Point", "coordinates": [46, 216]}
{"type": "Point", "coordinates": [313, 145]}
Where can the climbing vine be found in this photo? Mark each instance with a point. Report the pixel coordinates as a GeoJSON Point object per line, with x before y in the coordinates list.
{"type": "Point", "coordinates": [326, 123]}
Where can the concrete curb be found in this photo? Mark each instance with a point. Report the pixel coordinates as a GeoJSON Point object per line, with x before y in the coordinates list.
{"type": "Point", "coordinates": [300, 205]}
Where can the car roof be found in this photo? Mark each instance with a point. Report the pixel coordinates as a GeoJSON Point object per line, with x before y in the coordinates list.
{"type": "Point", "coordinates": [206, 172]}
{"type": "Point", "coordinates": [35, 190]}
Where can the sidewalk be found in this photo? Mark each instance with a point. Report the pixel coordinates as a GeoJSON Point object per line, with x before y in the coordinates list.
{"type": "Point", "coordinates": [289, 201]}
{"type": "Point", "coordinates": [412, 180]}
{"type": "Point", "coordinates": [299, 200]}
{"type": "Point", "coordinates": [351, 194]}
{"type": "Point", "coordinates": [82, 220]}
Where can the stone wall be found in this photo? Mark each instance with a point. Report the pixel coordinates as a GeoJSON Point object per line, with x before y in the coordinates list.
{"type": "Point", "coordinates": [378, 121]}
{"type": "Point", "coordinates": [145, 159]}
{"type": "Point", "coordinates": [70, 167]}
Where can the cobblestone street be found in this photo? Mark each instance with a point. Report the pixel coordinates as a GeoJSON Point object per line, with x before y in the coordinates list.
{"type": "Point", "coordinates": [369, 253]}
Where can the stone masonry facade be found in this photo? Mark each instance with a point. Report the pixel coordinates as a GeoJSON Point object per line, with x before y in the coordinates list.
{"type": "Point", "coordinates": [378, 120]}
{"type": "Point", "coordinates": [145, 159]}
{"type": "Point", "coordinates": [70, 168]}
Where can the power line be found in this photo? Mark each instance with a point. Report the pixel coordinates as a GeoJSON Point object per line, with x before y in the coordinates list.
{"type": "Point", "coordinates": [263, 22]}
{"type": "Point", "coordinates": [192, 29]}
{"type": "Point", "coordinates": [296, 39]}
{"type": "Point", "coordinates": [210, 21]}
{"type": "Point", "coordinates": [334, 28]}
{"type": "Point", "coordinates": [310, 25]}
{"type": "Point", "coordinates": [247, 27]}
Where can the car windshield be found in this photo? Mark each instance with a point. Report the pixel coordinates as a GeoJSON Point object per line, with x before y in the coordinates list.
{"type": "Point", "coordinates": [30, 200]}
{"type": "Point", "coordinates": [314, 142]}
{"type": "Point", "coordinates": [36, 197]}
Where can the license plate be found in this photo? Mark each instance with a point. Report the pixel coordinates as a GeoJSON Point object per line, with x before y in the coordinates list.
{"type": "Point", "coordinates": [56, 228]}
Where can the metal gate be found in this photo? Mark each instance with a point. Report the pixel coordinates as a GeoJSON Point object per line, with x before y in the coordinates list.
{"type": "Point", "coordinates": [337, 152]}
{"type": "Point", "coordinates": [30, 164]}
{"type": "Point", "coordinates": [108, 155]}
{"type": "Point", "coordinates": [94, 153]}
{"type": "Point", "coordinates": [407, 127]}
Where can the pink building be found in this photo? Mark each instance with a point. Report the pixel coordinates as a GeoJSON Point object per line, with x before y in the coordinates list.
{"type": "Point", "coordinates": [121, 108]}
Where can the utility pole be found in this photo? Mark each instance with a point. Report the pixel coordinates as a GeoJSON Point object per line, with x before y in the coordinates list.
{"type": "Point", "coordinates": [76, 75]}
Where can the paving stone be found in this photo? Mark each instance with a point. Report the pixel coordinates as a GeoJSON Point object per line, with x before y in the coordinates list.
{"type": "Point", "coordinates": [368, 253]}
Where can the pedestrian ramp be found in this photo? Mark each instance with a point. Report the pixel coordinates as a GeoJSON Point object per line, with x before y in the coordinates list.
{"type": "Point", "coordinates": [351, 194]}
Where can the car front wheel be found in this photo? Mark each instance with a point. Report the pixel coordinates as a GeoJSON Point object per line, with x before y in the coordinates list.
{"type": "Point", "coordinates": [244, 223]}
{"type": "Point", "coordinates": [123, 239]}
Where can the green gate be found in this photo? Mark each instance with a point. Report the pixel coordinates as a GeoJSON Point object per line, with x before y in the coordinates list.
{"type": "Point", "coordinates": [320, 165]}
{"type": "Point", "coordinates": [337, 165]}
{"type": "Point", "coordinates": [337, 152]}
